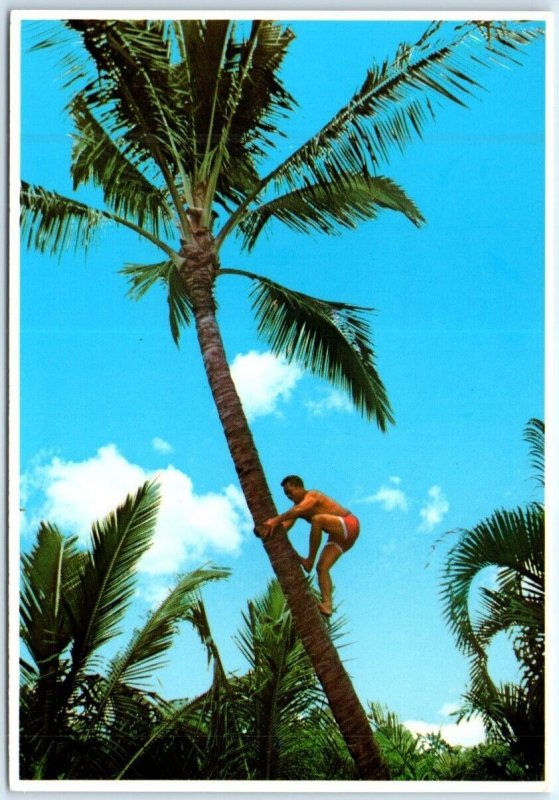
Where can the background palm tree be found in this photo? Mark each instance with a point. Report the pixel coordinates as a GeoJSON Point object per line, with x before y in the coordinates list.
{"type": "Point", "coordinates": [176, 119]}
{"type": "Point", "coordinates": [513, 543]}
{"type": "Point", "coordinates": [75, 720]}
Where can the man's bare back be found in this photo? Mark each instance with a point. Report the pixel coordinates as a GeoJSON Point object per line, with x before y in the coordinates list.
{"type": "Point", "coordinates": [315, 502]}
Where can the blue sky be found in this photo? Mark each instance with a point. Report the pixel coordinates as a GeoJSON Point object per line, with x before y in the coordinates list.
{"type": "Point", "coordinates": [106, 399]}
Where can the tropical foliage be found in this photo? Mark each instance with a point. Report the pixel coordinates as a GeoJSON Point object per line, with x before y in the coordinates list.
{"type": "Point", "coordinates": [428, 757]}
{"type": "Point", "coordinates": [290, 732]}
{"type": "Point", "coordinates": [87, 715]}
{"type": "Point", "coordinates": [83, 714]}
{"type": "Point", "coordinates": [512, 542]}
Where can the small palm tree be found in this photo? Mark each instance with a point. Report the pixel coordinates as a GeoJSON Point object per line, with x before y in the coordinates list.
{"type": "Point", "coordinates": [76, 721]}
{"type": "Point", "coordinates": [289, 732]}
{"type": "Point", "coordinates": [513, 543]}
{"type": "Point", "coordinates": [176, 122]}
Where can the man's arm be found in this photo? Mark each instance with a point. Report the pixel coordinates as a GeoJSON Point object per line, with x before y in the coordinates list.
{"type": "Point", "coordinates": [292, 514]}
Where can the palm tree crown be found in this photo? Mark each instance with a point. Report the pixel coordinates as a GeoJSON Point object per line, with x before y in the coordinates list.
{"type": "Point", "coordinates": [176, 124]}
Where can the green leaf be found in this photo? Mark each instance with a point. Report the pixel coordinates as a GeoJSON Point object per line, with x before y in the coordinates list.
{"type": "Point", "coordinates": [330, 206]}
{"type": "Point", "coordinates": [510, 540]}
{"type": "Point", "coordinates": [108, 577]}
{"type": "Point", "coordinates": [51, 223]}
{"type": "Point", "coordinates": [143, 276]}
{"type": "Point", "coordinates": [96, 158]}
{"type": "Point", "coordinates": [280, 689]}
{"type": "Point", "coordinates": [400, 746]}
{"type": "Point", "coordinates": [47, 573]}
{"type": "Point", "coordinates": [148, 646]}
{"type": "Point", "coordinates": [135, 91]}
{"type": "Point", "coordinates": [330, 339]}
{"type": "Point", "coordinates": [534, 434]}
{"type": "Point", "coordinates": [397, 99]}
{"type": "Point", "coordinates": [180, 306]}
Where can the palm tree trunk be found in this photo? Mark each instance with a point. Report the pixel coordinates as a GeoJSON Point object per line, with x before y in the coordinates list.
{"type": "Point", "coordinates": [198, 273]}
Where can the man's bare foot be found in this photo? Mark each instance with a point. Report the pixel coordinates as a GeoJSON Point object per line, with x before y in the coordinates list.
{"type": "Point", "coordinates": [306, 563]}
{"type": "Point", "coordinates": [325, 608]}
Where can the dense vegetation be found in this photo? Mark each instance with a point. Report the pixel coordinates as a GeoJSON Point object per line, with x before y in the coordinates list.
{"type": "Point", "coordinates": [86, 716]}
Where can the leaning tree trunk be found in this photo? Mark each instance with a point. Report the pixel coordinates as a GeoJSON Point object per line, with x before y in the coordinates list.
{"type": "Point", "coordinates": [198, 272]}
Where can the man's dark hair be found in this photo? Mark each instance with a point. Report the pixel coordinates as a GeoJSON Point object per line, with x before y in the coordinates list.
{"type": "Point", "coordinates": [294, 480]}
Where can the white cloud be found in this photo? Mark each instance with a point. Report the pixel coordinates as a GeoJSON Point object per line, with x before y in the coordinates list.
{"type": "Point", "coordinates": [161, 446]}
{"type": "Point", "coordinates": [390, 497]}
{"type": "Point", "coordinates": [153, 593]}
{"type": "Point", "coordinates": [334, 401]}
{"type": "Point", "coordinates": [448, 709]}
{"type": "Point", "coordinates": [263, 380]}
{"type": "Point", "coordinates": [466, 733]}
{"type": "Point", "coordinates": [189, 525]}
{"type": "Point", "coordinates": [434, 509]}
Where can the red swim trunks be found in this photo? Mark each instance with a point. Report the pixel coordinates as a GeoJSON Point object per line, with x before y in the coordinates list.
{"type": "Point", "coordinates": [350, 525]}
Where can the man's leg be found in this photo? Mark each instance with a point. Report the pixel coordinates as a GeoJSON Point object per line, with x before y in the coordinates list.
{"type": "Point", "coordinates": [321, 522]}
{"type": "Point", "coordinates": [328, 557]}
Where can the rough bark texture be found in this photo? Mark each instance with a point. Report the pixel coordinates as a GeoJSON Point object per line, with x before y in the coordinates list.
{"type": "Point", "coordinates": [198, 273]}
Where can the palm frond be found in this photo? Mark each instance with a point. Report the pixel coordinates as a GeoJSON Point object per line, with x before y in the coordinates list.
{"type": "Point", "coordinates": [146, 653]}
{"type": "Point", "coordinates": [96, 158]}
{"type": "Point", "coordinates": [330, 206]}
{"type": "Point", "coordinates": [330, 339]}
{"type": "Point", "coordinates": [398, 745]}
{"type": "Point", "coordinates": [108, 577]}
{"type": "Point", "coordinates": [178, 720]}
{"type": "Point", "coordinates": [51, 223]}
{"type": "Point", "coordinates": [180, 305]}
{"type": "Point", "coordinates": [149, 645]}
{"type": "Point", "coordinates": [509, 540]}
{"type": "Point", "coordinates": [47, 572]}
{"type": "Point", "coordinates": [507, 611]}
{"type": "Point", "coordinates": [143, 277]}
{"type": "Point", "coordinates": [135, 90]}
{"type": "Point", "coordinates": [255, 101]}
{"type": "Point", "coordinates": [510, 716]}
{"type": "Point", "coordinates": [397, 99]}
{"type": "Point", "coordinates": [534, 434]}
{"type": "Point", "coordinates": [102, 743]}
{"type": "Point", "coordinates": [198, 618]}
{"type": "Point", "coordinates": [262, 99]}
{"type": "Point", "coordinates": [205, 46]}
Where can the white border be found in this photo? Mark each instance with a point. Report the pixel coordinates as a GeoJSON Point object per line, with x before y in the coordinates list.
{"type": "Point", "coordinates": [552, 397]}
{"type": "Point", "coordinates": [279, 14]}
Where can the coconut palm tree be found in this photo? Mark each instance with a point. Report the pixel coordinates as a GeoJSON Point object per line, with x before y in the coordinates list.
{"type": "Point", "coordinates": [513, 543]}
{"type": "Point", "coordinates": [176, 123]}
{"type": "Point", "coordinates": [75, 721]}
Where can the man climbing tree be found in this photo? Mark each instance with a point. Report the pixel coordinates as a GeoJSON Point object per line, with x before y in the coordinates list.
{"type": "Point", "coordinates": [165, 111]}
{"type": "Point", "coordinates": [324, 515]}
